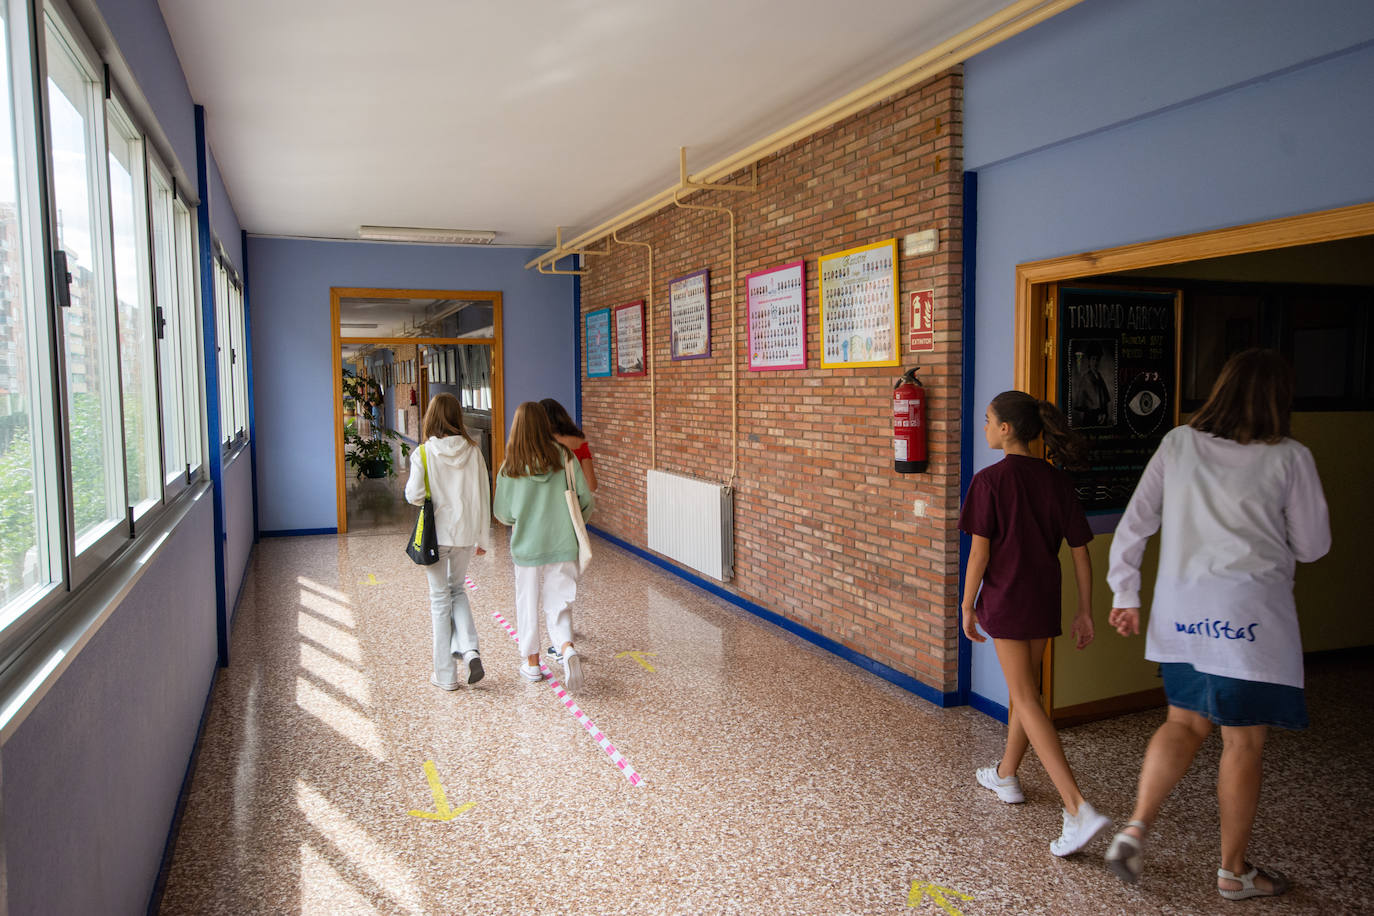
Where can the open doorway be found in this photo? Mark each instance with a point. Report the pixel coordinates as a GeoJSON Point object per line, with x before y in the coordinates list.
{"type": "Point", "coordinates": [1302, 285]}
{"type": "Point", "coordinates": [395, 350]}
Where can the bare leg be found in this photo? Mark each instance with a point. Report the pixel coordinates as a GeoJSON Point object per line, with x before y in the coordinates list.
{"type": "Point", "coordinates": [1015, 751]}
{"type": "Point", "coordinates": [1170, 753]}
{"type": "Point", "coordinates": [1238, 790]}
{"type": "Point", "coordinates": [1020, 660]}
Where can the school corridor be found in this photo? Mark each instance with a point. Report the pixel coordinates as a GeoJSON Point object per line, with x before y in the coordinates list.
{"type": "Point", "coordinates": [762, 774]}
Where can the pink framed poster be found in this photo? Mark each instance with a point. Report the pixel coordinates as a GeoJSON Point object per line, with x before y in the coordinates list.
{"type": "Point", "coordinates": [629, 339]}
{"type": "Point", "coordinates": [776, 305]}
{"type": "Point", "coordinates": [689, 314]}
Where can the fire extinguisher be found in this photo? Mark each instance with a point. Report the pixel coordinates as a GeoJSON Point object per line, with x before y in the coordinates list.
{"type": "Point", "coordinates": [909, 424]}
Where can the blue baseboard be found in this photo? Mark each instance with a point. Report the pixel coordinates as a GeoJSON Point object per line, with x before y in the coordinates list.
{"type": "Point", "coordinates": [892, 675]}
{"type": "Point", "coordinates": [296, 532]}
{"type": "Point", "coordinates": [987, 707]}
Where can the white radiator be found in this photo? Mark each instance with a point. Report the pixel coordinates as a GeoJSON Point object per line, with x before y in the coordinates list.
{"type": "Point", "coordinates": [692, 521]}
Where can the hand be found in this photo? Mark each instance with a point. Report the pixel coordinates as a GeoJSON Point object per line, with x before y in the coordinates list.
{"type": "Point", "coordinates": [1125, 619]}
{"type": "Point", "coordinates": [971, 626]}
{"type": "Point", "coordinates": [481, 552]}
{"type": "Point", "coordinates": [1082, 629]}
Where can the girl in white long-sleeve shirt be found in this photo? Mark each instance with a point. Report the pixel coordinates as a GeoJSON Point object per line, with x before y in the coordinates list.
{"type": "Point", "coordinates": [461, 491]}
{"type": "Point", "coordinates": [1238, 503]}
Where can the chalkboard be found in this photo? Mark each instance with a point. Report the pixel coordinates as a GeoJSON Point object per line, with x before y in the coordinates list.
{"type": "Point", "coordinates": [1118, 370]}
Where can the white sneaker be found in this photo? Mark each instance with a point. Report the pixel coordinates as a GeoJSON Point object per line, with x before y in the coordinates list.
{"type": "Point", "coordinates": [1008, 789]}
{"type": "Point", "coordinates": [572, 669]}
{"type": "Point", "coordinates": [1079, 830]}
{"type": "Point", "coordinates": [531, 673]}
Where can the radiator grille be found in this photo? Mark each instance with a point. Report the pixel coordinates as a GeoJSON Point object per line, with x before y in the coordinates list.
{"type": "Point", "coordinates": [692, 521]}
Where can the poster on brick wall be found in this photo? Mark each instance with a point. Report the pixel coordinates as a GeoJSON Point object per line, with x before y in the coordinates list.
{"type": "Point", "coordinates": [776, 300]}
{"type": "Point", "coordinates": [689, 310]}
{"type": "Point", "coordinates": [859, 306]}
{"type": "Point", "coordinates": [598, 343]}
{"type": "Point", "coordinates": [921, 322]}
{"type": "Point", "coordinates": [629, 338]}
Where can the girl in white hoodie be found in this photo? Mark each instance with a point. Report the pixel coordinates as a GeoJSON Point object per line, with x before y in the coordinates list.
{"type": "Point", "coordinates": [461, 491]}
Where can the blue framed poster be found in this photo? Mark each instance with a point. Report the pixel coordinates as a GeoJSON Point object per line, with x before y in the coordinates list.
{"type": "Point", "coordinates": [598, 343]}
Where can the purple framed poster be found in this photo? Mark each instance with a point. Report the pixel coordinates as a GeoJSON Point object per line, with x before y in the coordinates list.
{"type": "Point", "coordinates": [689, 314]}
{"type": "Point", "coordinates": [776, 300]}
{"type": "Point", "coordinates": [629, 338]}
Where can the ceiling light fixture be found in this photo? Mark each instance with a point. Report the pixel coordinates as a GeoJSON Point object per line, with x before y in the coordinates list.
{"type": "Point", "coordinates": [357, 324]}
{"type": "Point", "coordinates": [431, 236]}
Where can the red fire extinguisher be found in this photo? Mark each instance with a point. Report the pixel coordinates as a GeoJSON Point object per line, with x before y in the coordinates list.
{"type": "Point", "coordinates": [909, 424]}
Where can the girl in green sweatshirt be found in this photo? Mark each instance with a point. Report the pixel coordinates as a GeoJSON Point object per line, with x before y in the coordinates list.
{"type": "Point", "coordinates": [543, 543]}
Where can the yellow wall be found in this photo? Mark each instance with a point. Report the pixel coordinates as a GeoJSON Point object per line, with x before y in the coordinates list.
{"type": "Point", "coordinates": [1329, 592]}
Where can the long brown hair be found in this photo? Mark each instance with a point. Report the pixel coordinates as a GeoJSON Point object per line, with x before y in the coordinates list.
{"type": "Point", "coordinates": [562, 424]}
{"type": "Point", "coordinates": [1252, 400]}
{"type": "Point", "coordinates": [444, 418]}
{"type": "Point", "coordinates": [1029, 418]}
{"type": "Point", "coordinates": [531, 449]}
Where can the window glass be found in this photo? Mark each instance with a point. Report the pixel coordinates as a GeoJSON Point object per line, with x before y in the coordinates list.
{"type": "Point", "coordinates": [27, 485]}
{"type": "Point", "coordinates": [88, 324]}
{"type": "Point", "coordinates": [240, 363]}
{"type": "Point", "coordinates": [188, 301]}
{"type": "Point", "coordinates": [225, 349]}
{"type": "Point", "coordinates": [169, 323]}
{"type": "Point", "coordinates": [137, 353]}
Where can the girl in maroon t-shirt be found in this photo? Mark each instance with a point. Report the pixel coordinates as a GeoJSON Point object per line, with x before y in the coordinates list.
{"type": "Point", "coordinates": [1018, 512]}
{"type": "Point", "coordinates": [569, 435]}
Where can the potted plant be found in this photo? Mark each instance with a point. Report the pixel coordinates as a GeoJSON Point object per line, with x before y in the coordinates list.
{"type": "Point", "coordinates": [371, 456]}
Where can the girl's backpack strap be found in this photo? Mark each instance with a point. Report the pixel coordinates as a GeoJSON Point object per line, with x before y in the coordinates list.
{"type": "Point", "coordinates": [424, 465]}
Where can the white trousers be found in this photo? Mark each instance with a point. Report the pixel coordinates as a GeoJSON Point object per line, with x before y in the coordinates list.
{"type": "Point", "coordinates": [553, 587]}
{"type": "Point", "coordinates": [449, 611]}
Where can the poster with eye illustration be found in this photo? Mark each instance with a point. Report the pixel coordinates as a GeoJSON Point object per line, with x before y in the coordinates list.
{"type": "Point", "coordinates": [689, 313]}
{"type": "Point", "coordinates": [1118, 383]}
{"type": "Point", "coordinates": [859, 307]}
{"type": "Point", "coordinates": [776, 300]}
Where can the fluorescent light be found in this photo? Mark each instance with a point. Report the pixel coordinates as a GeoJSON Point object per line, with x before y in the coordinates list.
{"type": "Point", "coordinates": [357, 324]}
{"type": "Point", "coordinates": [432, 236]}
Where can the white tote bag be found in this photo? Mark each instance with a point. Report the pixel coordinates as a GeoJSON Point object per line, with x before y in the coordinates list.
{"type": "Point", "coordinates": [584, 546]}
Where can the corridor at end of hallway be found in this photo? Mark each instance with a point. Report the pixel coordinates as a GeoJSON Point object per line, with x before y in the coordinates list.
{"type": "Point", "coordinates": [332, 777]}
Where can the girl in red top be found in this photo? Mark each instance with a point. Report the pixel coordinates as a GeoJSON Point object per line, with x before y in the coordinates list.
{"type": "Point", "coordinates": [569, 435]}
{"type": "Point", "coordinates": [1018, 512]}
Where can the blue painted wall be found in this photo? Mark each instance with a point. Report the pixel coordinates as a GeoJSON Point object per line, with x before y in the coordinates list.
{"type": "Point", "coordinates": [1119, 122]}
{"type": "Point", "coordinates": [224, 221]}
{"type": "Point", "coordinates": [91, 777]}
{"type": "Point", "coordinates": [293, 368]}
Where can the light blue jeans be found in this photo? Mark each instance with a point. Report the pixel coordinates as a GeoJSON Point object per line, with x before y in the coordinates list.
{"type": "Point", "coordinates": [455, 634]}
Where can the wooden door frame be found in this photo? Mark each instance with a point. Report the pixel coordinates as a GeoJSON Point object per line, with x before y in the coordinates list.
{"type": "Point", "coordinates": [498, 380]}
{"type": "Point", "coordinates": [1035, 279]}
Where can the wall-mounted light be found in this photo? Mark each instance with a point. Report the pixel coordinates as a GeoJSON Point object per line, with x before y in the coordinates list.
{"type": "Point", "coordinates": [357, 324]}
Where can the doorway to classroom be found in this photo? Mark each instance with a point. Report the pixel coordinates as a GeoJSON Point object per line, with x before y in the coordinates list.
{"type": "Point", "coordinates": [1156, 321]}
{"type": "Point", "coordinates": [394, 350]}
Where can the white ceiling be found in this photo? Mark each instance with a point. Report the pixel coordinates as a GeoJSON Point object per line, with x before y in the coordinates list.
{"type": "Point", "coordinates": [514, 115]}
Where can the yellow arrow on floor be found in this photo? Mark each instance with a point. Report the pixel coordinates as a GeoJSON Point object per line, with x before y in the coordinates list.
{"type": "Point", "coordinates": [937, 893]}
{"type": "Point", "coordinates": [371, 580]}
{"type": "Point", "coordinates": [638, 656]}
{"type": "Point", "coordinates": [442, 811]}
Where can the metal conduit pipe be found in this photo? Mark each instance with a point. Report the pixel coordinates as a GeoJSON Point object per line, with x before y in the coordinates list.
{"type": "Point", "coordinates": [1009, 22]}
{"type": "Point", "coordinates": [653, 372]}
{"type": "Point", "coordinates": [734, 358]}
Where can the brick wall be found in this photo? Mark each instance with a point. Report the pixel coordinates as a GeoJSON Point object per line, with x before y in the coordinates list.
{"type": "Point", "coordinates": [826, 533]}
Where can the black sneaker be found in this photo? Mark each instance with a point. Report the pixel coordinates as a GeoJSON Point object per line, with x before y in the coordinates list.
{"type": "Point", "coordinates": [475, 670]}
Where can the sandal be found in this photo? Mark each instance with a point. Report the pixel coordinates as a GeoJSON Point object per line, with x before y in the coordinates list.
{"type": "Point", "coordinates": [1247, 887]}
{"type": "Point", "coordinates": [1124, 856]}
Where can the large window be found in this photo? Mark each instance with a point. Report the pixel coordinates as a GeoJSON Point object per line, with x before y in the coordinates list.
{"type": "Point", "coordinates": [101, 424]}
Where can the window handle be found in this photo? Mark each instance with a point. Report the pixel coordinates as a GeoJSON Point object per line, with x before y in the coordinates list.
{"type": "Point", "coordinates": [161, 324]}
{"type": "Point", "coordinates": [63, 279]}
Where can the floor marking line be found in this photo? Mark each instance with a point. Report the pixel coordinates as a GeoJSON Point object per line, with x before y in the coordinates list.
{"type": "Point", "coordinates": [442, 811]}
{"type": "Point", "coordinates": [562, 694]}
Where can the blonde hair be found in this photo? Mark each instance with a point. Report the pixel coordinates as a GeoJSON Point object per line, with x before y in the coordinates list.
{"type": "Point", "coordinates": [444, 418]}
{"type": "Point", "coordinates": [530, 448]}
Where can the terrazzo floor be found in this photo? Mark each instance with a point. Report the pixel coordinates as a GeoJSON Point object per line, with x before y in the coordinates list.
{"type": "Point", "coordinates": [776, 778]}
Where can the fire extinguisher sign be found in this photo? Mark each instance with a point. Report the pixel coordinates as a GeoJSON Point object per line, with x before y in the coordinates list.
{"type": "Point", "coordinates": [921, 326]}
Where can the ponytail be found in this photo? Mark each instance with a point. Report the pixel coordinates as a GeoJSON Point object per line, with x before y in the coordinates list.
{"type": "Point", "coordinates": [1029, 418]}
{"type": "Point", "coordinates": [1064, 447]}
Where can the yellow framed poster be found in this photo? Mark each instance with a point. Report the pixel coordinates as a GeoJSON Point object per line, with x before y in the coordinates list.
{"type": "Point", "coordinates": [860, 309]}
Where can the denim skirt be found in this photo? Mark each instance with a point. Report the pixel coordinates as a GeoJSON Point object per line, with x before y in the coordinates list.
{"type": "Point", "coordinates": [1231, 701]}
